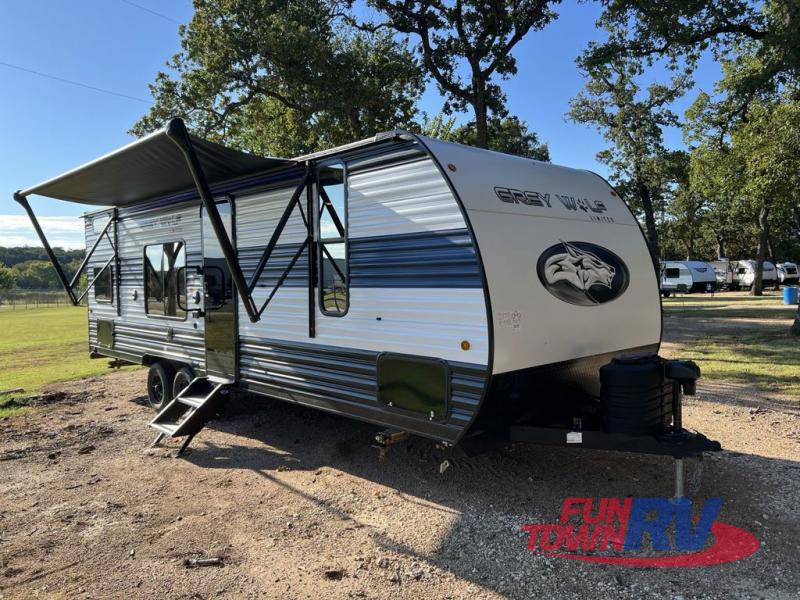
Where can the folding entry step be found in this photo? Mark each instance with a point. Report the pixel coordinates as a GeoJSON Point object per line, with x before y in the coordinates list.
{"type": "Point", "coordinates": [190, 410]}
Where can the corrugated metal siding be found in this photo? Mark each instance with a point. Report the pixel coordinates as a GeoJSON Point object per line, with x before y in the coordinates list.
{"type": "Point", "coordinates": [415, 289]}
{"type": "Point", "coordinates": [411, 260]}
{"type": "Point", "coordinates": [344, 381]}
{"type": "Point", "coordinates": [137, 334]}
{"type": "Point", "coordinates": [410, 197]}
{"type": "Point", "coordinates": [442, 259]}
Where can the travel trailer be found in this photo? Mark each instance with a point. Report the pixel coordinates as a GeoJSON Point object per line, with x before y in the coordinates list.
{"type": "Point", "coordinates": [688, 276]}
{"type": "Point", "coordinates": [429, 288]}
{"type": "Point", "coordinates": [744, 274]}
{"type": "Point", "coordinates": [724, 273]}
{"type": "Point", "coordinates": [787, 273]}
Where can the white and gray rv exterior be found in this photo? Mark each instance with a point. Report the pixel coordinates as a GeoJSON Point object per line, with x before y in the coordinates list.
{"type": "Point", "coordinates": [689, 276]}
{"type": "Point", "coordinates": [744, 274]}
{"type": "Point", "coordinates": [497, 285]}
{"type": "Point", "coordinates": [787, 273]}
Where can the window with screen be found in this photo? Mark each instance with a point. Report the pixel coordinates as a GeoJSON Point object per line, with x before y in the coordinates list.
{"type": "Point", "coordinates": [332, 251]}
{"type": "Point", "coordinates": [104, 284]}
{"type": "Point", "coordinates": [673, 273]}
{"type": "Point", "coordinates": [165, 280]}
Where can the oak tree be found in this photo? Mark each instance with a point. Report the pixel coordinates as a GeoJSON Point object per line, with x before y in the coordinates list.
{"type": "Point", "coordinates": [284, 78]}
{"type": "Point", "coordinates": [466, 45]}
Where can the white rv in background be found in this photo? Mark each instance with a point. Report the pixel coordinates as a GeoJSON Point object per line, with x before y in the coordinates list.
{"type": "Point", "coordinates": [723, 271]}
{"type": "Point", "coordinates": [744, 274]}
{"type": "Point", "coordinates": [688, 276]}
{"type": "Point", "coordinates": [787, 273]}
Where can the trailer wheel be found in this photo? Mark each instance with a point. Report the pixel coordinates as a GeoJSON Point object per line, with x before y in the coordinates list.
{"type": "Point", "coordinates": [159, 385]}
{"type": "Point", "coordinates": [181, 380]}
{"type": "Point", "coordinates": [665, 294]}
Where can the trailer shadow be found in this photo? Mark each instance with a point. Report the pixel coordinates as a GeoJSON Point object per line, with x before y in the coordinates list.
{"type": "Point", "coordinates": [471, 513]}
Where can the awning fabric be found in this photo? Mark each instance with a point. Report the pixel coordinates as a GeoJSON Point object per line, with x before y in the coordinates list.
{"type": "Point", "coordinates": [149, 168]}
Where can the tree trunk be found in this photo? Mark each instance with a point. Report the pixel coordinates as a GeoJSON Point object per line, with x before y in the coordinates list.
{"type": "Point", "coordinates": [355, 123]}
{"type": "Point", "coordinates": [481, 114]}
{"type": "Point", "coordinates": [795, 328]}
{"type": "Point", "coordinates": [763, 235]}
{"type": "Point", "coordinates": [720, 247]}
{"type": "Point", "coordinates": [770, 247]}
{"type": "Point", "coordinates": [650, 223]}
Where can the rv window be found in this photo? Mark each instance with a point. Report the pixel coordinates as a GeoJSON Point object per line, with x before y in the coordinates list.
{"type": "Point", "coordinates": [741, 271]}
{"type": "Point", "coordinates": [673, 273]}
{"type": "Point", "coordinates": [165, 280]}
{"type": "Point", "coordinates": [103, 284]}
{"type": "Point", "coordinates": [333, 273]}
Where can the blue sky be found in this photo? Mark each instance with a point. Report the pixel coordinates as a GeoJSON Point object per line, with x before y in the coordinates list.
{"type": "Point", "coordinates": [48, 126]}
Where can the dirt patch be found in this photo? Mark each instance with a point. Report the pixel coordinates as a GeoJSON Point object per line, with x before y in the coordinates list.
{"type": "Point", "coordinates": [293, 503]}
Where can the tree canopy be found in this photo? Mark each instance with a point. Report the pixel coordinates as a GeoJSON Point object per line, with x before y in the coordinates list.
{"type": "Point", "coordinates": [479, 35]}
{"type": "Point", "coordinates": [284, 78]}
{"type": "Point", "coordinates": [632, 120]}
{"type": "Point", "coordinates": [7, 278]}
{"type": "Point", "coordinates": [509, 135]}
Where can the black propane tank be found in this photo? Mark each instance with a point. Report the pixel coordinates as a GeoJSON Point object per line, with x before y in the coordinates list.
{"type": "Point", "coordinates": [635, 396]}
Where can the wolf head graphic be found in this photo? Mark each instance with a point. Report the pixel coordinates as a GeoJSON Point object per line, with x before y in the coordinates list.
{"type": "Point", "coordinates": [579, 268]}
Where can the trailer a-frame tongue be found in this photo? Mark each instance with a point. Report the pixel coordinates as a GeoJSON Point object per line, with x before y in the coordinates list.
{"type": "Point", "coordinates": [164, 164]}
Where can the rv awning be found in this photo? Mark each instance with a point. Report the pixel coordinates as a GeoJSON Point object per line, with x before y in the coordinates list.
{"type": "Point", "coordinates": [148, 168]}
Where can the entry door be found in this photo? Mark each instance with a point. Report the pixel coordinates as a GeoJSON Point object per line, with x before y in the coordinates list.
{"type": "Point", "coordinates": [219, 300]}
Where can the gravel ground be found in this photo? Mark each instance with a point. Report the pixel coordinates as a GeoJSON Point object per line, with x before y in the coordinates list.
{"type": "Point", "coordinates": [296, 505]}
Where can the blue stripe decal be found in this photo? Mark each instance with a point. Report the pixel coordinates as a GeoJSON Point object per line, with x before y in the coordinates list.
{"type": "Point", "coordinates": [435, 259]}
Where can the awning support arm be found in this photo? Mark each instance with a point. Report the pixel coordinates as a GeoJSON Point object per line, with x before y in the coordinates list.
{"type": "Point", "coordinates": [23, 202]}
{"type": "Point", "coordinates": [70, 285]}
{"type": "Point", "coordinates": [91, 283]}
{"type": "Point", "coordinates": [273, 240]}
{"type": "Point", "coordinates": [87, 258]}
{"type": "Point", "coordinates": [176, 131]}
{"type": "Point", "coordinates": [283, 276]}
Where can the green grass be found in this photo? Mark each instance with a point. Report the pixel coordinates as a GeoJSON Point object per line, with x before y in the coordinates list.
{"type": "Point", "coordinates": [728, 307]}
{"type": "Point", "coordinates": [717, 301]}
{"type": "Point", "coordinates": [732, 313]}
{"type": "Point", "coordinates": [770, 362]}
{"type": "Point", "coordinates": [42, 346]}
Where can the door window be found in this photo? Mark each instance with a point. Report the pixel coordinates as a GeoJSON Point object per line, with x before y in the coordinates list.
{"type": "Point", "coordinates": [165, 280]}
{"type": "Point", "coordinates": [332, 252]}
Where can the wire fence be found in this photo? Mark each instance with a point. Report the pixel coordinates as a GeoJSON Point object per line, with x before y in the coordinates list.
{"type": "Point", "coordinates": [17, 299]}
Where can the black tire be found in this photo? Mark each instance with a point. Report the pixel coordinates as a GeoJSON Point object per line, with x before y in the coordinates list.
{"type": "Point", "coordinates": [182, 379]}
{"type": "Point", "coordinates": [665, 294]}
{"type": "Point", "coordinates": [159, 385]}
